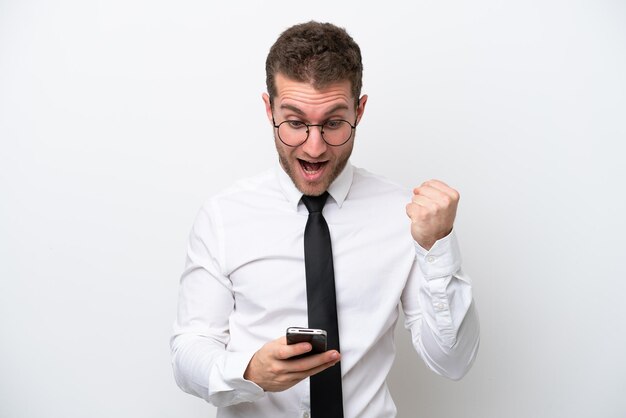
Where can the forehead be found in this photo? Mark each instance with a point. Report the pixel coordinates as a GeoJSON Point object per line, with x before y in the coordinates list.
{"type": "Point", "coordinates": [308, 98]}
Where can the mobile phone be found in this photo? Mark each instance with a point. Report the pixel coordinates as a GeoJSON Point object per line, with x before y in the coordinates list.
{"type": "Point", "coordinates": [316, 337]}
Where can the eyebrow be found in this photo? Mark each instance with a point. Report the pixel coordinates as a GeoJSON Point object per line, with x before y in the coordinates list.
{"type": "Point", "coordinates": [292, 108]}
{"type": "Point", "coordinates": [299, 111]}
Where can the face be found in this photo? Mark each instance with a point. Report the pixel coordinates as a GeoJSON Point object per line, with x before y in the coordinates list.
{"type": "Point", "coordinates": [313, 165]}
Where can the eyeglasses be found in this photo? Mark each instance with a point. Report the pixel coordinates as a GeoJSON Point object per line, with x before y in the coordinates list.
{"type": "Point", "coordinates": [334, 132]}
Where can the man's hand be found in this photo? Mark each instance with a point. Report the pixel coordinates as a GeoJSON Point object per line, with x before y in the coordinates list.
{"type": "Point", "coordinates": [272, 369]}
{"type": "Point", "coordinates": [432, 211]}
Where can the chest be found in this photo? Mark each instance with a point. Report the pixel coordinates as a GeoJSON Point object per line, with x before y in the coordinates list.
{"type": "Point", "coordinates": [265, 260]}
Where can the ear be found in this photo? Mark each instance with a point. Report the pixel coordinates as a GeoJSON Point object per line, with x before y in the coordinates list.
{"type": "Point", "coordinates": [268, 106]}
{"type": "Point", "coordinates": [361, 108]}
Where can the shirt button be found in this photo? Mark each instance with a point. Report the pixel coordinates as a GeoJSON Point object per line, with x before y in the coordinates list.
{"type": "Point", "coordinates": [430, 259]}
{"type": "Point", "coordinates": [440, 306]}
{"type": "Point", "coordinates": [305, 415]}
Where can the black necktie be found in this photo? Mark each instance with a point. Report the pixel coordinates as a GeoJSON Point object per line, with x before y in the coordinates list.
{"type": "Point", "coordinates": [326, 394]}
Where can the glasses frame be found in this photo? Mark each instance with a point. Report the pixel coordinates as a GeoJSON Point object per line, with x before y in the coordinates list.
{"type": "Point", "coordinates": [308, 129]}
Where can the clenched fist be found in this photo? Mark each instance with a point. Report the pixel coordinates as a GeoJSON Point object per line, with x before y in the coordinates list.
{"type": "Point", "coordinates": [432, 211]}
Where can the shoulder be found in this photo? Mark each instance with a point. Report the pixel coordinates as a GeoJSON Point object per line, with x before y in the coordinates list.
{"type": "Point", "coordinates": [246, 190]}
{"type": "Point", "coordinates": [245, 198]}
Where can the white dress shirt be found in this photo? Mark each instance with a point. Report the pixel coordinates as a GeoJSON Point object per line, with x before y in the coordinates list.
{"type": "Point", "coordinates": [244, 285]}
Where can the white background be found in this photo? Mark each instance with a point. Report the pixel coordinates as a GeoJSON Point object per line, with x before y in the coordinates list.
{"type": "Point", "coordinates": [119, 117]}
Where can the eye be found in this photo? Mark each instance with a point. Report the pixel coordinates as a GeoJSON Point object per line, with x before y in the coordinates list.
{"type": "Point", "coordinates": [296, 124]}
{"type": "Point", "coordinates": [333, 124]}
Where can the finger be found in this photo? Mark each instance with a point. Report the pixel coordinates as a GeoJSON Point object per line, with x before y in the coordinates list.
{"type": "Point", "coordinates": [286, 351]}
{"type": "Point", "coordinates": [321, 368]}
{"type": "Point", "coordinates": [433, 194]}
{"type": "Point", "coordinates": [441, 186]}
{"type": "Point", "coordinates": [424, 202]}
{"type": "Point", "coordinates": [315, 360]}
{"type": "Point", "coordinates": [413, 210]}
{"type": "Point", "coordinates": [417, 213]}
{"type": "Point", "coordinates": [436, 195]}
{"type": "Point", "coordinates": [437, 183]}
{"type": "Point", "coordinates": [426, 191]}
{"type": "Point", "coordinates": [294, 378]}
{"type": "Point", "coordinates": [314, 370]}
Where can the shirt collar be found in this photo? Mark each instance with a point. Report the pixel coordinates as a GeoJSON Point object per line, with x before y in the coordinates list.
{"type": "Point", "coordinates": [338, 189]}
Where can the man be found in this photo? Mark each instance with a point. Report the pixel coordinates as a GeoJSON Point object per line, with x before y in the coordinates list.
{"type": "Point", "coordinates": [248, 275]}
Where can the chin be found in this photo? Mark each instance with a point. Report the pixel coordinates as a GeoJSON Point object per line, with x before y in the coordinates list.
{"type": "Point", "coordinates": [310, 189]}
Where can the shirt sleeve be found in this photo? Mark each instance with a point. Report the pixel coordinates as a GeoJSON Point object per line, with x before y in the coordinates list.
{"type": "Point", "coordinates": [439, 309]}
{"type": "Point", "coordinates": [201, 362]}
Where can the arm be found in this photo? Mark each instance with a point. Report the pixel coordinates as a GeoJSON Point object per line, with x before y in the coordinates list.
{"type": "Point", "coordinates": [439, 310]}
{"type": "Point", "coordinates": [201, 364]}
{"type": "Point", "coordinates": [437, 299]}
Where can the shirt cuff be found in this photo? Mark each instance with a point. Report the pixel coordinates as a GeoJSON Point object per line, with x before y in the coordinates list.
{"type": "Point", "coordinates": [443, 259]}
{"type": "Point", "coordinates": [232, 388]}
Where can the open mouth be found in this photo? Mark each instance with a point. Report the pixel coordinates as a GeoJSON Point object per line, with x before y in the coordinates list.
{"type": "Point", "coordinates": [312, 169]}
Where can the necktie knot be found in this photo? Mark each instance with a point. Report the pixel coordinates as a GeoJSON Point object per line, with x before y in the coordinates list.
{"type": "Point", "coordinates": [315, 203]}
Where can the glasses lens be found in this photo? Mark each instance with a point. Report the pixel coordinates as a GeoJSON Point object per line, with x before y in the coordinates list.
{"type": "Point", "coordinates": [336, 132]}
{"type": "Point", "coordinates": [292, 132]}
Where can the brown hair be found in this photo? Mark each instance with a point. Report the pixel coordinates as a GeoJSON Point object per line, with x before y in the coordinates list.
{"type": "Point", "coordinates": [316, 53]}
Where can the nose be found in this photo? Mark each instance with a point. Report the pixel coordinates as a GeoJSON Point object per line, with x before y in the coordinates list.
{"type": "Point", "coordinates": [315, 145]}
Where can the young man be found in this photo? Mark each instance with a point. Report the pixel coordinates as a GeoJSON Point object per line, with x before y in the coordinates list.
{"type": "Point", "coordinates": [251, 273]}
